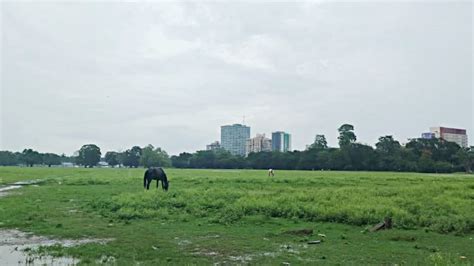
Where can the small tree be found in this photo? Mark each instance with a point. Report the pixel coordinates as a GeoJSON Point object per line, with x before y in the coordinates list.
{"type": "Point", "coordinates": [89, 155]}
{"type": "Point", "coordinates": [51, 159]}
{"type": "Point", "coordinates": [112, 158]}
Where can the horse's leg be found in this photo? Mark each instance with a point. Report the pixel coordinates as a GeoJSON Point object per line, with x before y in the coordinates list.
{"type": "Point", "coordinates": [157, 183]}
{"type": "Point", "coordinates": [148, 182]}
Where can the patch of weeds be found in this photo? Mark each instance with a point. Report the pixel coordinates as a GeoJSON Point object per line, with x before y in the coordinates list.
{"type": "Point", "coordinates": [430, 249]}
{"type": "Point", "coordinates": [403, 238]}
{"type": "Point", "coordinates": [299, 232]}
{"type": "Point", "coordinates": [56, 250]}
{"type": "Point", "coordinates": [86, 182]}
{"type": "Point", "coordinates": [438, 258]}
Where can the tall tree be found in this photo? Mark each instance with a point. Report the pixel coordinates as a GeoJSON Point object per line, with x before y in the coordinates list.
{"type": "Point", "coordinates": [389, 155]}
{"type": "Point", "coordinates": [203, 159]}
{"type": "Point", "coordinates": [182, 160]}
{"type": "Point", "coordinates": [112, 158]}
{"type": "Point", "coordinates": [361, 157]}
{"type": "Point", "coordinates": [89, 155]}
{"type": "Point", "coordinates": [438, 149]}
{"type": "Point", "coordinates": [388, 145]}
{"type": "Point", "coordinates": [225, 160]}
{"type": "Point", "coordinates": [346, 135]}
{"type": "Point", "coordinates": [320, 143]}
{"type": "Point", "coordinates": [30, 157]}
{"type": "Point", "coordinates": [260, 160]}
{"type": "Point", "coordinates": [131, 157]}
{"type": "Point", "coordinates": [466, 158]}
{"type": "Point", "coordinates": [152, 157]}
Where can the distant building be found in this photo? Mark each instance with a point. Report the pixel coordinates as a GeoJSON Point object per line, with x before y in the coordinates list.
{"type": "Point", "coordinates": [281, 141]}
{"type": "Point", "coordinates": [213, 146]}
{"type": "Point", "coordinates": [428, 135]}
{"type": "Point", "coordinates": [456, 135]}
{"type": "Point", "coordinates": [102, 164]}
{"type": "Point", "coordinates": [67, 164]}
{"type": "Point", "coordinates": [234, 138]}
{"type": "Point", "coordinates": [258, 144]}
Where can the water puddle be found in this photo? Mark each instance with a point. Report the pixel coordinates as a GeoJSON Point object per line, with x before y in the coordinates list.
{"type": "Point", "coordinates": [5, 189]}
{"type": "Point", "coordinates": [27, 182]}
{"type": "Point", "coordinates": [17, 248]}
{"type": "Point", "coordinates": [9, 256]}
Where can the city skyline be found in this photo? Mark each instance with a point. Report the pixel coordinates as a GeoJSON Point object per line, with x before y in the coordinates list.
{"type": "Point", "coordinates": [124, 74]}
{"type": "Point", "coordinates": [284, 139]}
{"type": "Point", "coordinates": [211, 145]}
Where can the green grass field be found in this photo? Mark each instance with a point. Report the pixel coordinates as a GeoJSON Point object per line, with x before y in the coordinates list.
{"type": "Point", "coordinates": [241, 216]}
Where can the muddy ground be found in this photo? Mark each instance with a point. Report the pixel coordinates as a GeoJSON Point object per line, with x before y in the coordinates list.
{"type": "Point", "coordinates": [18, 248]}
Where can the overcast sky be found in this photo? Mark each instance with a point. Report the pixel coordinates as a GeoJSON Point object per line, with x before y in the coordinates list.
{"type": "Point", "coordinates": [170, 74]}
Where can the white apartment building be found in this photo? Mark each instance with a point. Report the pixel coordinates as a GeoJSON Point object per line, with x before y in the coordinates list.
{"type": "Point", "coordinates": [258, 144]}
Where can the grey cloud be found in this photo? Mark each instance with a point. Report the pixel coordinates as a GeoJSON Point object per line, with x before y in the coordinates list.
{"type": "Point", "coordinates": [169, 74]}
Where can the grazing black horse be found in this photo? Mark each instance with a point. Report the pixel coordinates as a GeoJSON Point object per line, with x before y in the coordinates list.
{"type": "Point", "coordinates": [155, 173]}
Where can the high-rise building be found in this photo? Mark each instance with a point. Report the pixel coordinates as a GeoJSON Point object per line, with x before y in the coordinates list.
{"type": "Point", "coordinates": [456, 135]}
{"type": "Point", "coordinates": [213, 146]}
{"type": "Point", "coordinates": [234, 138]}
{"type": "Point", "coordinates": [281, 141]}
{"type": "Point", "coordinates": [258, 144]}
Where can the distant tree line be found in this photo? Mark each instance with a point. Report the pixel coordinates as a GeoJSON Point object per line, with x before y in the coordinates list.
{"type": "Point", "coordinates": [147, 157]}
{"type": "Point", "coordinates": [89, 156]}
{"type": "Point", "coordinates": [31, 157]}
{"type": "Point", "coordinates": [418, 155]}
